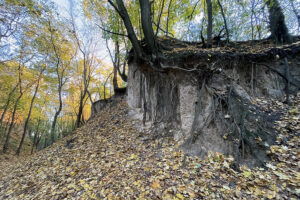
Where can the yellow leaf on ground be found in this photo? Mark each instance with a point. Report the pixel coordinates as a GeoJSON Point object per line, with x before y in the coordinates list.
{"type": "Point", "coordinates": [247, 174]}
{"type": "Point", "coordinates": [179, 196]}
{"type": "Point", "coordinates": [156, 185]}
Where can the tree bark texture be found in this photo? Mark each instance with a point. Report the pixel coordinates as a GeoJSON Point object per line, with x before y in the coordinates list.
{"type": "Point", "coordinates": [209, 23]}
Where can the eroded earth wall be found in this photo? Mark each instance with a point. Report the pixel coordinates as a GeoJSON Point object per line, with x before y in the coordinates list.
{"type": "Point", "coordinates": [208, 108]}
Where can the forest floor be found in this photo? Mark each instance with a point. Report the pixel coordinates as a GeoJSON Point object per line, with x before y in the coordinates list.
{"type": "Point", "coordinates": [109, 159]}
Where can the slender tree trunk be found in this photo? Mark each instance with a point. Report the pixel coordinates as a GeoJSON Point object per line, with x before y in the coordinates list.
{"type": "Point", "coordinates": [7, 104]}
{"type": "Point", "coordinates": [161, 11]}
{"type": "Point", "coordinates": [209, 23]}
{"type": "Point", "coordinates": [56, 116]}
{"type": "Point", "coordinates": [39, 138]}
{"type": "Point", "coordinates": [122, 74]}
{"type": "Point", "coordinates": [278, 28]}
{"type": "Point", "coordinates": [79, 114]}
{"type": "Point", "coordinates": [80, 110]}
{"type": "Point", "coordinates": [116, 66]}
{"type": "Point", "coordinates": [35, 136]}
{"type": "Point", "coordinates": [252, 13]}
{"type": "Point", "coordinates": [104, 86]}
{"type": "Point", "coordinates": [4, 112]}
{"type": "Point", "coordinates": [225, 22]}
{"type": "Point", "coordinates": [115, 81]}
{"type": "Point", "coordinates": [61, 82]}
{"type": "Point", "coordinates": [46, 141]}
{"type": "Point", "coordinates": [140, 33]}
{"type": "Point", "coordinates": [104, 95]}
{"type": "Point", "coordinates": [5, 146]}
{"type": "Point", "coordinates": [6, 126]}
{"type": "Point", "coordinates": [29, 113]}
{"type": "Point", "coordinates": [168, 16]}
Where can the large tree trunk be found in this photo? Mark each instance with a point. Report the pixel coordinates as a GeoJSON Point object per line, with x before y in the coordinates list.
{"type": "Point", "coordinates": [279, 31]}
{"type": "Point", "coordinates": [209, 23]}
{"type": "Point", "coordinates": [147, 26]}
{"type": "Point", "coordinates": [29, 113]}
{"type": "Point", "coordinates": [131, 34]}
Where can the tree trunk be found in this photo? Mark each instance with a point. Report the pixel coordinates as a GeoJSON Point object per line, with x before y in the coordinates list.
{"type": "Point", "coordinates": [278, 29]}
{"type": "Point", "coordinates": [147, 26]}
{"type": "Point", "coordinates": [60, 76]}
{"type": "Point", "coordinates": [104, 97]}
{"type": "Point", "coordinates": [252, 13]}
{"type": "Point", "coordinates": [7, 104]}
{"type": "Point", "coordinates": [126, 19]}
{"type": "Point", "coordinates": [168, 16]}
{"type": "Point", "coordinates": [56, 116]}
{"type": "Point", "coordinates": [80, 110]}
{"type": "Point", "coordinates": [35, 137]}
{"type": "Point", "coordinates": [122, 74]}
{"type": "Point", "coordinates": [209, 23]}
{"type": "Point", "coordinates": [29, 113]}
{"type": "Point", "coordinates": [116, 63]}
{"type": "Point", "coordinates": [4, 111]}
{"type": "Point", "coordinates": [46, 141]}
{"type": "Point", "coordinates": [5, 147]}
{"type": "Point", "coordinates": [6, 126]}
{"type": "Point", "coordinates": [225, 22]}
{"type": "Point", "coordinates": [115, 81]}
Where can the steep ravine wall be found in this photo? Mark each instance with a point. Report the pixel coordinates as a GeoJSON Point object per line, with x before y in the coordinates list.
{"type": "Point", "coordinates": [211, 108]}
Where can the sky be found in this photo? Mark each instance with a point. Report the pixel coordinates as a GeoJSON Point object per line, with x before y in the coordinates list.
{"type": "Point", "coordinates": [63, 9]}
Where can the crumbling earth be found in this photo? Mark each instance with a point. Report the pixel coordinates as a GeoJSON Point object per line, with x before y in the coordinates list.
{"type": "Point", "coordinates": [109, 159]}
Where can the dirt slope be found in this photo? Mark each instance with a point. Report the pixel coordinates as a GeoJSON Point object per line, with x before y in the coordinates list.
{"type": "Point", "coordinates": [109, 159]}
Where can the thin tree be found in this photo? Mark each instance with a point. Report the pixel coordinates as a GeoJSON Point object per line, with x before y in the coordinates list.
{"type": "Point", "coordinates": [30, 110]}
{"type": "Point", "coordinates": [60, 72]}
{"type": "Point", "coordinates": [88, 60]}
{"type": "Point", "coordinates": [159, 17]}
{"type": "Point", "coordinates": [225, 21]}
{"type": "Point", "coordinates": [168, 18]}
{"type": "Point", "coordinates": [8, 103]}
{"type": "Point", "coordinates": [21, 93]}
{"type": "Point", "coordinates": [116, 62]}
{"type": "Point", "coordinates": [35, 137]}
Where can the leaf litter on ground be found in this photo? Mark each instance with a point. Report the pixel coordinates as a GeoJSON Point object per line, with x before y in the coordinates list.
{"type": "Point", "coordinates": [108, 160]}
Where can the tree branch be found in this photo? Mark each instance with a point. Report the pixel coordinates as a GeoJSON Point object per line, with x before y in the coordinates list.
{"type": "Point", "coordinates": [103, 29]}
{"type": "Point", "coordinates": [158, 27]}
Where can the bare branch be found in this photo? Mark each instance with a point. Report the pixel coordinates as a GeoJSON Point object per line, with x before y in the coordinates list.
{"type": "Point", "coordinates": [103, 29]}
